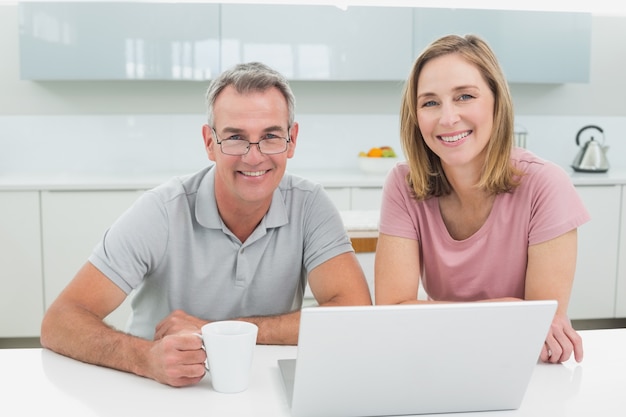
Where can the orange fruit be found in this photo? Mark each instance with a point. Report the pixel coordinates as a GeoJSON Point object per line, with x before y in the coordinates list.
{"type": "Point", "coordinates": [375, 153]}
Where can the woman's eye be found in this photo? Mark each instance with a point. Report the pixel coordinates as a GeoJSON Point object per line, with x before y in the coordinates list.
{"type": "Point", "coordinates": [429, 103]}
{"type": "Point", "coordinates": [465, 97]}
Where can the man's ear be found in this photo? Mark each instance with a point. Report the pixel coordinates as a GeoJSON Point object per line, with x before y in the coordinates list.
{"type": "Point", "coordinates": [293, 135]}
{"type": "Point", "coordinates": [209, 143]}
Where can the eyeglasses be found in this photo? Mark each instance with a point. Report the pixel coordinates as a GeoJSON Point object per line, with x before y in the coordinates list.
{"type": "Point", "coordinates": [269, 144]}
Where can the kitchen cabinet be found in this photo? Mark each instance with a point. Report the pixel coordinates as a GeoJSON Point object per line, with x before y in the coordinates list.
{"type": "Point", "coordinates": [366, 198]}
{"type": "Point", "coordinates": [531, 46]}
{"type": "Point", "coordinates": [356, 198]}
{"type": "Point", "coordinates": [183, 41]}
{"type": "Point", "coordinates": [118, 40]}
{"type": "Point", "coordinates": [21, 290]}
{"type": "Point", "coordinates": [73, 222]}
{"type": "Point", "coordinates": [341, 196]}
{"type": "Point", "coordinates": [620, 294]}
{"type": "Point", "coordinates": [196, 41]}
{"type": "Point", "coordinates": [320, 42]}
{"type": "Point", "coordinates": [593, 294]}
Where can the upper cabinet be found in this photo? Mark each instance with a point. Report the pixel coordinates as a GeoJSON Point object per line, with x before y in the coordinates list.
{"type": "Point", "coordinates": [118, 41]}
{"type": "Point", "coordinates": [532, 47]}
{"type": "Point", "coordinates": [196, 41]}
{"type": "Point", "coordinates": [320, 42]}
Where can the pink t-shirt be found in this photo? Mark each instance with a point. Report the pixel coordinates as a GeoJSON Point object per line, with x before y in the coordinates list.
{"type": "Point", "coordinates": [492, 262]}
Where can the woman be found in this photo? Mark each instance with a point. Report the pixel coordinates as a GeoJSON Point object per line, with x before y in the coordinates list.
{"type": "Point", "coordinates": [468, 214]}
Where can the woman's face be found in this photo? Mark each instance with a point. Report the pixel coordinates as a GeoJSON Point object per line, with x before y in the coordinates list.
{"type": "Point", "coordinates": [454, 111]}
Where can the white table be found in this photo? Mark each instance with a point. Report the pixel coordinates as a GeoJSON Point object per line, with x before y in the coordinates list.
{"type": "Point", "coordinates": [36, 381]}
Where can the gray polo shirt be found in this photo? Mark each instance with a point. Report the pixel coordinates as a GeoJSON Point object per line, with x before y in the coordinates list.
{"type": "Point", "coordinates": [173, 251]}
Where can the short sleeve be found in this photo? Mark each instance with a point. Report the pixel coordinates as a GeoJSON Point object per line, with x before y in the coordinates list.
{"type": "Point", "coordinates": [556, 206]}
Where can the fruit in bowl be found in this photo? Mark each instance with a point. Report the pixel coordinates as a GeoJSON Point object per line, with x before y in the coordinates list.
{"type": "Point", "coordinates": [378, 160]}
{"type": "Point", "coordinates": [379, 152]}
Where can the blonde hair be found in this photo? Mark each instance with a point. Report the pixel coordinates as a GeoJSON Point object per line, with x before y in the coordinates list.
{"type": "Point", "coordinates": [426, 176]}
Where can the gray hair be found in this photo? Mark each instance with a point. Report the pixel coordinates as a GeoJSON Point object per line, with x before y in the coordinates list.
{"type": "Point", "coordinates": [250, 77]}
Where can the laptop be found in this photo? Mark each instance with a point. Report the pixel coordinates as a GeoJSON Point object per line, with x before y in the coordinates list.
{"type": "Point", "coordinates": [415, 359]}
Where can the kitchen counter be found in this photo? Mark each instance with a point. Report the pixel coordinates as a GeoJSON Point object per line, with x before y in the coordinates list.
{"type": "Point", "coordinates": [142, 181]}
{"type": "Point", "coordinates": [361, 223]}
{"type": "Point", "coordinates": [612, 177]}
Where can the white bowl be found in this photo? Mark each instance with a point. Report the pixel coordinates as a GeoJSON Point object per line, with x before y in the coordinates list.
{"type": "Point", "coordinates": [376, 165]}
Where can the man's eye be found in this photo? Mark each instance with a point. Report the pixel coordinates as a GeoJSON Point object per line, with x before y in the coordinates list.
{"type": "Point", "coordinates": [270, 136]}
{"type": "Point", "coordinates": [235, 137]}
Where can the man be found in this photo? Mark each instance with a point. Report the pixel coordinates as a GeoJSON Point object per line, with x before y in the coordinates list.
{"type": "Point", "coordinates": [237, 240]}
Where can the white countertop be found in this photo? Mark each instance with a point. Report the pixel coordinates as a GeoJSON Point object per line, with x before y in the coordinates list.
{"type": "Point", "coordinates": [361, 223]}
{"type": "Point", "coordinates": [612, 177]}
{"type": "Point", "coordinates": [143, 181]}
{"type": "Point", "coordinates": [36, 381]}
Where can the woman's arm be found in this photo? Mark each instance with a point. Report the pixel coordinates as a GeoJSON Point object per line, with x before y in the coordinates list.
{"type": "Point", "coordinates": [550, 275]}
{"type": "Point", "coordinates": [396, 270]}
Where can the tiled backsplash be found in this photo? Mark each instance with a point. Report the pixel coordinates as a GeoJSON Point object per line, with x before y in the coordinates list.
{"type": "Point", "coordinates": [173, 143]}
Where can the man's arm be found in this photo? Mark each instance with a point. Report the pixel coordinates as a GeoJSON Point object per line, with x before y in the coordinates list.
{"type": "Point", "coordinates": [338, 281]}
{"type": "Point", "coordinates": [73, 326]}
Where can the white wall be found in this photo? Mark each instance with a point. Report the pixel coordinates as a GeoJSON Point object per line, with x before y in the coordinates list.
{"type": "Point", "coordinates": [48, 121]}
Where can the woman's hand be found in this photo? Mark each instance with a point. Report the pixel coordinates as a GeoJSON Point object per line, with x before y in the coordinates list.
{"type": "Point", "coordinates": [562, 341]}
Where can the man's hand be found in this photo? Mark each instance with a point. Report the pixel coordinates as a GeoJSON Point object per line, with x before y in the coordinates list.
{"type": "Point", "coordinates": [177, 360]}
{"type": "Point", "coordinates": [561, 342]}
{"type": "Point", "coordinates": [178, 322]}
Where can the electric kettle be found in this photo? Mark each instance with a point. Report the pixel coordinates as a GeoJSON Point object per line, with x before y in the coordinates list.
{"type": "Point", "coordinates": [592, 155]}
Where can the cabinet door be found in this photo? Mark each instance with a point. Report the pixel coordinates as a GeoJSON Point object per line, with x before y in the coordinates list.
{"type": "Point", "coordinates": [524, 41]}
{"type": "Point", "coordinates": [593, 295]}
{"type": "Point", "coordinates": [320, 42]}
{"type": "Point", "coordinates": [340, 196]}
{"type": "Point", "coordinates": [73, 222]}
{"type": "Point", "coordinates": [21, 290]}
{"type": "Point", "coordinates": [118, 41]}
{"type": "Point", "coordinates": [620, 298]}
{"type": "Point", "coordinates": [367, 198]}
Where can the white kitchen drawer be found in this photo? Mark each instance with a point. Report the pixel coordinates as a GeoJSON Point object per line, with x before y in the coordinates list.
{"type": "Point", "coordinates": [340, 196]}
{"type": "Point", "coordinates": [366, 198]}
{"type": "Point", "coordinates": [356, 198]}
{"type": "Point", "coordinates": [73, 222]}
{"type": "Point", "coordinates": [593, 294]}
{"type": "Point", "coordinates": [620, 293]}
{"type": "Point", "coordinates": [21, 292]}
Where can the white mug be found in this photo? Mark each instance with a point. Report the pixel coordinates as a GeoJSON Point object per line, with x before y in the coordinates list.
{"type": "Point", "coordinates": [229, 347]}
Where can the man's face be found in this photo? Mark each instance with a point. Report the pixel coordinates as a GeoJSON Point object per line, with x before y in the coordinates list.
{"type": "Point", "coordinates": [253, 177]}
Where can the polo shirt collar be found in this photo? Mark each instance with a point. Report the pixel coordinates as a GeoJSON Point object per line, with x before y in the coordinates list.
{"type": "Point", "coordinates": [208, 215]}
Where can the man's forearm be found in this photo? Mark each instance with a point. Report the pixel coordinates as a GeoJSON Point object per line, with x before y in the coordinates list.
{"type": "Point", "coordinates": [277, 330]}
{"type": "Point", "coordinates": [90, 340]}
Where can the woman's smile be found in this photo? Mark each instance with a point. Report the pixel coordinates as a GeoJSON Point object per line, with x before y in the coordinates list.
{"type": "Point", "coordinates": [454, 137]}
